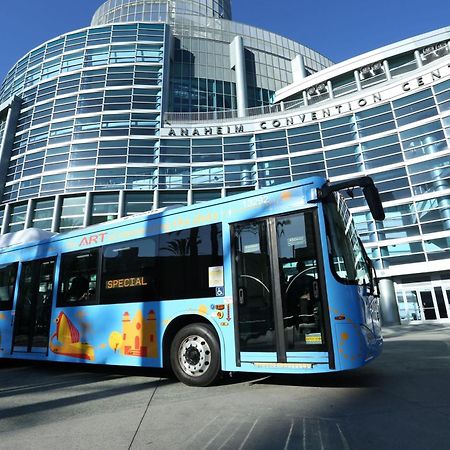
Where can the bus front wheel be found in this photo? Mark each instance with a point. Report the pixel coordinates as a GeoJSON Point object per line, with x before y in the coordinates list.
{"type": "Point", "coordinates": [195, 355]}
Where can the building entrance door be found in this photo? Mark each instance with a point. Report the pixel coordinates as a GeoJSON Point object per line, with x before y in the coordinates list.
{"type": "Point", "coordinates": [427, 304]}
{"type": "Point", "coordinates": [424, 301]}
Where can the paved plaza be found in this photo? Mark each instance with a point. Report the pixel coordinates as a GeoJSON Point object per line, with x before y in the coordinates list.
{"type": "Point", "coordinates": [400, 401]}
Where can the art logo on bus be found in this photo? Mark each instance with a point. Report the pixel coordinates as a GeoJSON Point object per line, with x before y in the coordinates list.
{"type": "Point", "coordinates": [66, 340]}
{"type": "Point", "coordinates": [138, 336]}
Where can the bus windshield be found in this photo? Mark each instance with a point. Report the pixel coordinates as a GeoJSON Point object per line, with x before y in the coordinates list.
{"type": "Point", "coordinates": [347, 255]}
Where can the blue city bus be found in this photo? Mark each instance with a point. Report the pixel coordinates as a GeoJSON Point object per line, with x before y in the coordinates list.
{"type": "Point", "coordinates": [273, 281]}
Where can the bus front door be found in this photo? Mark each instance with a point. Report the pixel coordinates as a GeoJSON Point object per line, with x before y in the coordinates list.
{"type": "Point", "coordinates": [33, 309]}
{"type": "Point", "coordinates": [278, 296]}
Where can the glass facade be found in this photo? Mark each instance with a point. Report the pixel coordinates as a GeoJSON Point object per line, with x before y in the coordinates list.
{"type": "Point", "coordinates": [98, 111]}
{"type": "Point", "coordinates": [159, 10]}
{"type": "Point", "coordinates": [201, 79]}
{"type": "Point", "coordinates": [108, 126]}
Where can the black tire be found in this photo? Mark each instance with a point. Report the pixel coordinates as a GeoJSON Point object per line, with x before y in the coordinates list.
{"type": "Point", "coordinates": [195, 355]}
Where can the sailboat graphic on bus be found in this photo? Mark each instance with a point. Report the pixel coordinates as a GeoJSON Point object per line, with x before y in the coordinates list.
{"type": "Point", "coordinates": [66, 340]}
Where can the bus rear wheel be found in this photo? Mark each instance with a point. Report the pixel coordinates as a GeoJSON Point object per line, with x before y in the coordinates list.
{"type": "Point", "coordinates": [195, 355]}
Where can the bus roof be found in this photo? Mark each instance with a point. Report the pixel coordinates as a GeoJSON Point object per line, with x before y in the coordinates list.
{"type": "Point", "coordinates": [24, 237]}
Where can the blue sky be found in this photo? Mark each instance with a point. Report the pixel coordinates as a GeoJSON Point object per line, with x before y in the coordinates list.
{"type": "Point", "coordinates": [338, 29]}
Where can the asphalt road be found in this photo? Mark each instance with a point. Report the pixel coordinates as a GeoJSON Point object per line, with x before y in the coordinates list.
{"type": "Point", "coordinates": [400, 401]}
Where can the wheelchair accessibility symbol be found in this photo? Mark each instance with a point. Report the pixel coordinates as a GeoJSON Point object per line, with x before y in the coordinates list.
{"type": "Point", "coordinates": [220, 291]}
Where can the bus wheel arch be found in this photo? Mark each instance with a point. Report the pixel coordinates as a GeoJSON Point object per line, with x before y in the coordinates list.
{"type": "Point", "coordinates": [192, 350]}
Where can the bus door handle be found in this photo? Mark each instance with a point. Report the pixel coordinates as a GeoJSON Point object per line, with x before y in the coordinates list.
{"type": "Point", "coordinates": [316, 289]}
{"type": "Point", "coordinates": [241, 296]}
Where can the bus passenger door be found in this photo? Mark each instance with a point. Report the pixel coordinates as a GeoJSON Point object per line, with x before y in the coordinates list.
{"type": "Point", "coordinates": [253, 287]}
{"type": "Point", "coordinates": [277, 289]}
{"type": "Point", "coordinates": [33, 309]}
{"type": "Point", "coordinates": [301, 290]}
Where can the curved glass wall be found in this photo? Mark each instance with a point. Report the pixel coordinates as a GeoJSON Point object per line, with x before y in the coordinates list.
{"type": "Point", "coordinates": [90, 104]}
{"type": "Point", "coordinates": [114, 11]}
{"type": "Point", "coordinates": [72, 53]}
{"type": "Point", "coordinates": [201, 78]}
{"type": "Point", "coordinates": [202, 56]}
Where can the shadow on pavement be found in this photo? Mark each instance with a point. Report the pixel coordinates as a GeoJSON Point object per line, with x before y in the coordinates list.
{"type": "Point", "coordinates": [401, 400]}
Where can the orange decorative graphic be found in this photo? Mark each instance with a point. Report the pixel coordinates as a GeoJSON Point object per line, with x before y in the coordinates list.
{"type": "Point", "coordinates": [138, 336]}
{"type": "Point", "coordinates": [66, 340]}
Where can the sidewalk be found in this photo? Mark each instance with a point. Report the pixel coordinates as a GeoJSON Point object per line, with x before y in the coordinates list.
{"type": "Point", "coordinates": [406, 328]}
{"type": "Point", "coordinates": [400, 400]}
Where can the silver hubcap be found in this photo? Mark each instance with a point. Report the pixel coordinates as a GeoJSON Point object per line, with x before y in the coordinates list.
{"type": "Point", "coordinates": [194, 356]}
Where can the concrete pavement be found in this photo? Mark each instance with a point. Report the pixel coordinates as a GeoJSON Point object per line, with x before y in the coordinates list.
{"type": "Point", "coordinates": [401, 400]}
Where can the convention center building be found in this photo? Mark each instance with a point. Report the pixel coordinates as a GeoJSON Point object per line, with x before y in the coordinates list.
{"type": "Point", "coordinates": [169, 102]}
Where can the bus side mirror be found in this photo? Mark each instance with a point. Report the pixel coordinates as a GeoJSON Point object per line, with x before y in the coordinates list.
{"type": "Point", "coordinates": [373, 200]}
{"type": "Point", "coordinates": [369, 190]}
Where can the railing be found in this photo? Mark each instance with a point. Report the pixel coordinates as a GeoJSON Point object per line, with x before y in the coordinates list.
{"type": "Point", "coordinates": [436, 52]}
{"type": "Point", "coordinates": [222, 116]}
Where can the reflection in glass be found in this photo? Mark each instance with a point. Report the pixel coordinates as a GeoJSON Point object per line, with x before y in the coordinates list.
{"type": "Point", "coordinates": [302, 312]}
{"type": "Point", "coordinates": [428, 305]}
{"type": "Point", "coordinates": [33, 310]}
{"type": "Point", "coordinates": [440, 303]}
{"type": "Point", "coordinates": [254, 287]}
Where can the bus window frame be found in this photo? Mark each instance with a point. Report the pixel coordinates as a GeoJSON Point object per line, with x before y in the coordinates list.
{"type": "Point", "coordinates": [98, 298]}
{"type": "Point", "coordinates": [9, 304]}
{"type": "Point", "coordinates": [373, 285]}
{"type": "Point", "coordinates": [321, 248]}
{"type": "Point", "coordinates": [330, 200]}
{"type": "Point", "coordinates": [102, 272]}
{"type": "Point", "coordinates": [159, 297]}
{"type": "Point", "coordinates": [60, 301]}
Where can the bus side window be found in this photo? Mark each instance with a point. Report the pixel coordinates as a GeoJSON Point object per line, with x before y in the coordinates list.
{"type": "Point", "coordinates": [170, 266]}
{"type": "Point", "coordinates": [78, 284]}
{"type": "Point", "coordinates": [129, 272]}
{"type": "Point", "coordinates": [8, 273]}
{"type": "Point", "coordinates": [184, 259]}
